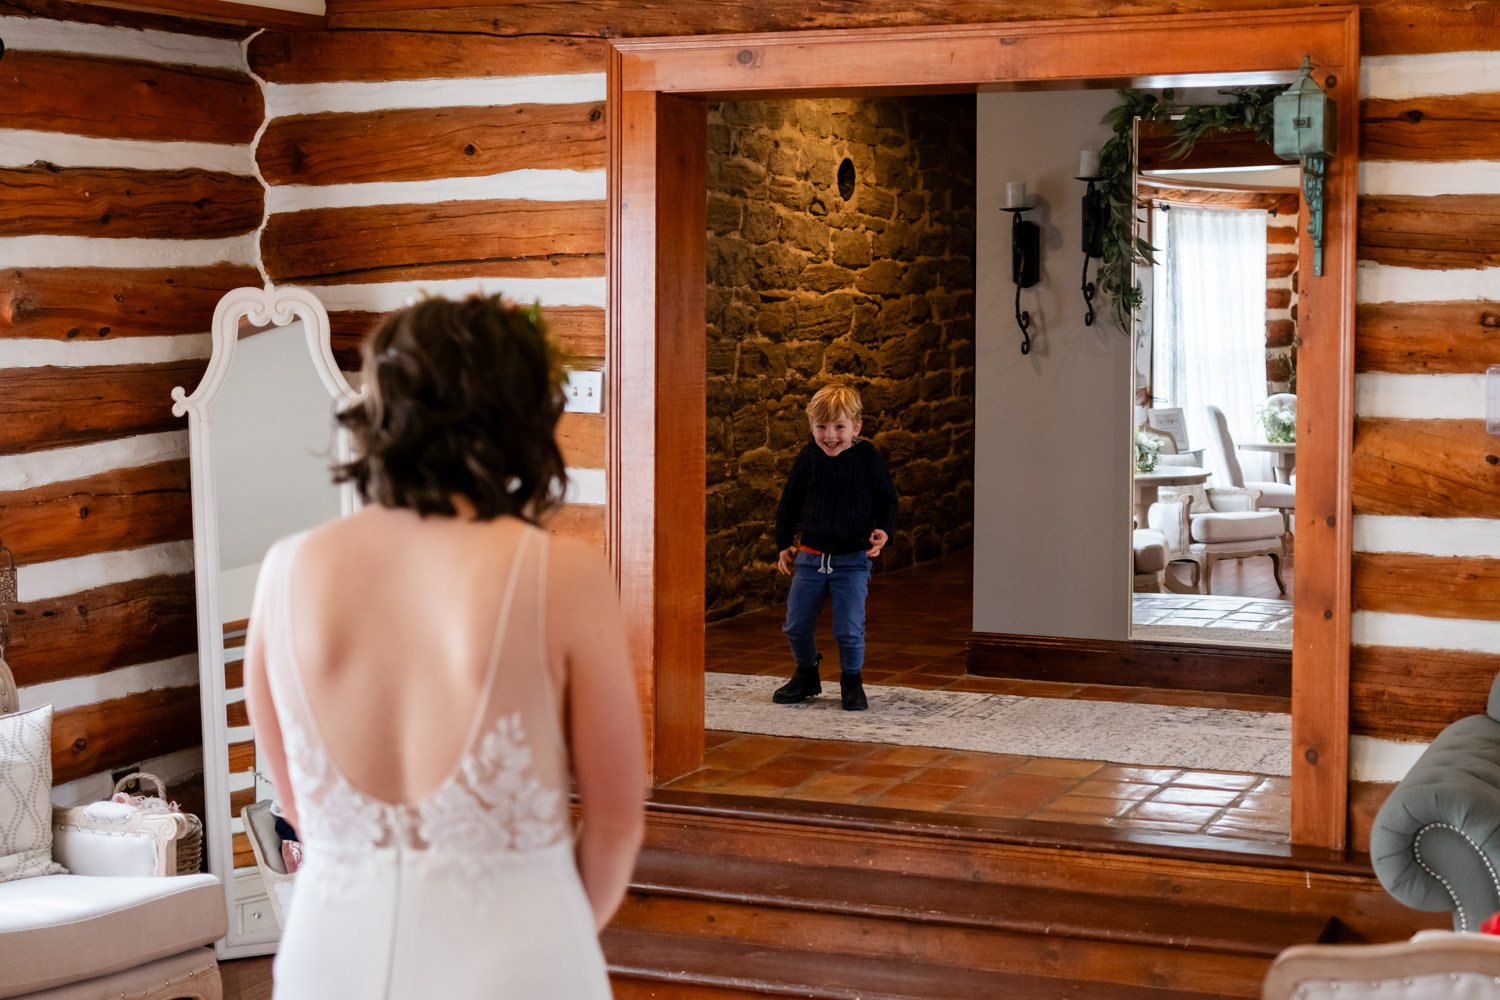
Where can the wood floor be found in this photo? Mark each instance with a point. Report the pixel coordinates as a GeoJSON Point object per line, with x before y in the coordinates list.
{"type": "Point", "coordinates": [918, 624]}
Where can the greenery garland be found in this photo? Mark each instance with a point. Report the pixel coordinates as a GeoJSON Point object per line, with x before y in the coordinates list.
{"type": "Point", "coordinates": [1249, 108]}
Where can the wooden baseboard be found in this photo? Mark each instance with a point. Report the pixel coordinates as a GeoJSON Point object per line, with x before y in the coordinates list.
{"type": "Point", "coordinates": [1133, 663]}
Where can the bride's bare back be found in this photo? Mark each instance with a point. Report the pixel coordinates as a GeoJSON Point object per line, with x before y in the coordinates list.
{"type": "Point", "coordinates": [395, 625]}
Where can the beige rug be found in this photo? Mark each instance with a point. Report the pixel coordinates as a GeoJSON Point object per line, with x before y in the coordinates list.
{"type": "Point", "coordinates": [1207, 739]}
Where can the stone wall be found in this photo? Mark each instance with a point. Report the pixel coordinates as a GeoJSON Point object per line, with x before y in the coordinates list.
{"type": "Point", "coordinates": [811, 280]}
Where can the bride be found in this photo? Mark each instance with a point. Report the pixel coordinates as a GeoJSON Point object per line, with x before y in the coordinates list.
{"type": "Point", "coordinates": [428, 677]}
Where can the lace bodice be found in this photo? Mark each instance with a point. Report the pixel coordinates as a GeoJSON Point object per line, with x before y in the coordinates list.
{"type": "Point", "coordinates": [506, 793]}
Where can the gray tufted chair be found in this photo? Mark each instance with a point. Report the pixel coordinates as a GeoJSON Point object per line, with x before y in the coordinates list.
{"type": "Point", "coordinates": [1435, 844]}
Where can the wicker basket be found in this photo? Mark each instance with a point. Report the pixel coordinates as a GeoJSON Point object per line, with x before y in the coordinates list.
{"type": "Point", "coordinates": [189, 828]}
{"type": "Point", "coordinates": [178, 836]}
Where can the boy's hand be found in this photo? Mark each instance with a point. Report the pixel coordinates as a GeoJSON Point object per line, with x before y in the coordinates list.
{"type": "Point", "coordinates": [878, 539]}
{"type": "Point", "coordinates": [784, 560]}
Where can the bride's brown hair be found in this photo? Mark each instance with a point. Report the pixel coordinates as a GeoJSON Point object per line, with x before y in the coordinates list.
{"type": "Point", "coordinates": [461, 398]}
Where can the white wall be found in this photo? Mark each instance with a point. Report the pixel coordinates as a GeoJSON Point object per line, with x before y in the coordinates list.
{"type": "Point", "coordinates": [272, 447]}
{"type": "Point", "coordinates": [1052, 429]}
{"type": "Point", "coordinates": [301, 6]}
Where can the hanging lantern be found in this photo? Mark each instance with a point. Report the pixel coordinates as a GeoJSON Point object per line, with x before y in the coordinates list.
{"type": "Point", "coordinates": [1306, 121]}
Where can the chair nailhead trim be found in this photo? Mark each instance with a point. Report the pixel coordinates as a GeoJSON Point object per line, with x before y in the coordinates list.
{"type": "Point", "coordinates": [1416, 850]}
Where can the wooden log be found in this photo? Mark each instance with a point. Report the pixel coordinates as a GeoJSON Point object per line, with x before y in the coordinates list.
{"type": "Point", "coordinates": [542, 266]}
{"type": "Point", "coordinates": [416, 144]}
{"type": "Point", "coordinates": [1431, 129]}
{"type": "Point", "coordinates": [1425, 468]}
{"type": "Point", "coordinates": [98, 13]}
{"type": "Point", "coordinates": [1432, 586]}
{"type": "Point", "coordinates": [1438, 232]}
{"type": "Point", "coordinates": [142, 204]}
{"type": "Point", "coordinates": [1278, 298]}
{"type": "Point", "coordinates": [52, 407]}
{"type": "Point", "coordinates": [95, 738]}
{"type": "Point", "coordinates": [381, 56]}
{"type": "Point", "coordinates": [1281, 265]}
{"type": "Point", "coordinates": [323, 242]}
{"type": "Point", "coordinates": [98, 630]}
{"type": "Point", "coordinates": [1276, 202]}
{"type": "Point", "coordinates": [234, 674]}
{"type": "Point", "coordinates": [1411, 694]}
{"type": "Point", "coordinates": [244, 857]}
{"type": "Point", "coordinates": [240, 799]}
{"type": "Point", "coordinates": [65, 303]}
{"type": "Point", "coordinates": [1427, 338]}
{"type": "Point", "coordinates": [1281, 236]}
{"type": "Point", "coordinates": [125, 99]}
{"type": "Point", "coordinates": [580, 330]}
{"type": "Point", "coordinates": [237, 713]}
{"type": "Point", "coordinates": [581, 437]}
{"type": "Point", "coordinates": [242, 756]}
{"type": "Point", "coordinates": [1387, 27]}
{"type": "Point", "coordinates": [1365, 800]}
{"type": "Point", "coordinates": [584, 522]}
{"type": "Point", "coordinates": [1213, 150]}
{"type": "Point", "coordinates": [119, 509]}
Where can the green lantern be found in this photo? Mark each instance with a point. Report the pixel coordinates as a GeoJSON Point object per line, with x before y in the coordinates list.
{"type": "Point", "coordinates": [1306, 122]}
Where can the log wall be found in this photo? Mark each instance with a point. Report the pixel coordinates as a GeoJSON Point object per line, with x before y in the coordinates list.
{"type": "Point", "coordinates": [129, 205]}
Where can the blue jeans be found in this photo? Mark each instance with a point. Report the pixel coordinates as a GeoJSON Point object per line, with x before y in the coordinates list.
{"type": "Point", "coordinates": [847, 579]}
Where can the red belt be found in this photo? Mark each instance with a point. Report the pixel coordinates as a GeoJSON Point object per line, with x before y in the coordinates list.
{"type": "Point", "coordinates": [811, 552]}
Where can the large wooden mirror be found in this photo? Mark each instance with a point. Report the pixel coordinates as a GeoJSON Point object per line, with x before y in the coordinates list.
{"type": "Point", "coordinates": [261, 440]}
{"type": "Point", "coordinates": [659, 92]}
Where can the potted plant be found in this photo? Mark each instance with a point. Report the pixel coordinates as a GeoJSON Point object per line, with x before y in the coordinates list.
{"type": "Point", "coordinates": [1147, 450]}
{"type": "Point", "coordinates": [1280, 423]}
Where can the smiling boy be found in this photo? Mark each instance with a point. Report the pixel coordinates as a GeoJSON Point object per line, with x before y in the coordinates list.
{"type": "Point", "coordinates": [837, 511]}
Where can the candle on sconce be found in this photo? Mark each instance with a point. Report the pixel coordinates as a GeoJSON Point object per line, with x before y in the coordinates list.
{"type": "Point", "coordinates": [1015, 194]}
{"type": "Point", "coordinates": [1088, 163]}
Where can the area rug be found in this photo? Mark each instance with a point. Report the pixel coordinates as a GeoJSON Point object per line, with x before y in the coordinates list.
{"type": "Point", "coordinates": [1212, 634]}
{"type": "Point", "coordinates": [1206, 739]}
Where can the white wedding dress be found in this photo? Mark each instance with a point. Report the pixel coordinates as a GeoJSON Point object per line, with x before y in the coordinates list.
{"type": "Point", "coordinates": [470, 892]}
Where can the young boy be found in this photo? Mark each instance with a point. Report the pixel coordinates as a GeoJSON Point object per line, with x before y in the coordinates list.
{"type": "Point", "coordinates": [840, 499]}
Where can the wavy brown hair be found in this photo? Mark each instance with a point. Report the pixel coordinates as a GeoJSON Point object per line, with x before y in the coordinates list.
{"type": "Point", "coordinates": [460, 398]}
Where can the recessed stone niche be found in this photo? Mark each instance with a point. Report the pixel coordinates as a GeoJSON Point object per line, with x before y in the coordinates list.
{"type": "Point", "coordinates": [840, 248]}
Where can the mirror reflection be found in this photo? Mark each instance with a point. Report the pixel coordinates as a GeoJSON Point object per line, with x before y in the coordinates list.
{"type": "Point", "coordinates": [1215, 385]}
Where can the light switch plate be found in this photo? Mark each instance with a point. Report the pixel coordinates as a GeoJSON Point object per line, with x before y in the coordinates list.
{"type": "Point", "coordinates": [1492, 399]}
{"type": "Point", "coordinates": [584, 392]}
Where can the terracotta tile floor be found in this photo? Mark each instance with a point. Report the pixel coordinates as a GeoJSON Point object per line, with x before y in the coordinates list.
{"type": "Point", "coordinates": [918, 624]}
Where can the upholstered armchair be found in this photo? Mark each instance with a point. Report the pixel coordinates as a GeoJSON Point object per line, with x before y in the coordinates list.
{"type": "Point", "coordinates": [1232, 527]}
{"type": "Point", "coordinates": [1434, 965]}
{"type": "Point", "coordinates": [1435, 843]}
{"type": "Point", "coordinates": [1281, 496]}
{"type": "Point", "coordinates": [111, 927]}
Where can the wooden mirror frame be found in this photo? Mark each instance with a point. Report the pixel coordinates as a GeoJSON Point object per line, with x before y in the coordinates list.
{"type": "Point", "coordinates": [261, 307]}
{"type": "Point", "coordinates": [655, 345]}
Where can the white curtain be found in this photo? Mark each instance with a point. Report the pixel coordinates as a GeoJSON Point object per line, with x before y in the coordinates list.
{"type": "Point", "coordinates": [1209, 335]}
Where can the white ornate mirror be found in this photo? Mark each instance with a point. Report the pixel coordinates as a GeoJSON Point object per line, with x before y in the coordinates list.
{"type": "Point", "coordinates": [261, 438]}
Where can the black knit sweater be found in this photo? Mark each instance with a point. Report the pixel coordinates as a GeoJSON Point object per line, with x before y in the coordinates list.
{"type": "Point", "coordinates": [835, 503]}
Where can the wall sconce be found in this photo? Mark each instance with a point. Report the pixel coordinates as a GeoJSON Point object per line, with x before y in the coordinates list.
{"type": "Point", "coordinates": [1095, 218]}
{"type": "Point", "coordinates": [1307, 129]}
{"type": "Point", "coordinates": [1025, 253]}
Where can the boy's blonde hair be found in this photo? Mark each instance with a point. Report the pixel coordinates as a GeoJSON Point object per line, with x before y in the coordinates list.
{"type": "Point", "coordinates": [834, 401]}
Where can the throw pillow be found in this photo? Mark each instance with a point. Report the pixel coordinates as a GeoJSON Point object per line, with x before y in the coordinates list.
{"type": "Point", "coordinates": [26, 795]}
{"type": "Point", "coordinates": [1200, 504]}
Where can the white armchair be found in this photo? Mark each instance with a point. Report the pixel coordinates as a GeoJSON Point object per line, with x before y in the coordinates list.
{"type": "Point", "coordinates": [1234, 528]}
{"type": "Point", "coordinates": [112, 927]}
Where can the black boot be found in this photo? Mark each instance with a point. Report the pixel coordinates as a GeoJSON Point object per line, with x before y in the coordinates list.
{"type": "Point", "coordinates": [803, 685]}
{"type": "Point", "coordinates": [852, 690]}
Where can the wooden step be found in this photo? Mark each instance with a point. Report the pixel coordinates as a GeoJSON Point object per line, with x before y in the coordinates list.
{"type": "Point", "coordinates": [1179, 872]}
{"type": "Point", "coordinates": [651, 964]}
{"type": "Point", "coordinates": [1041, 911]}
